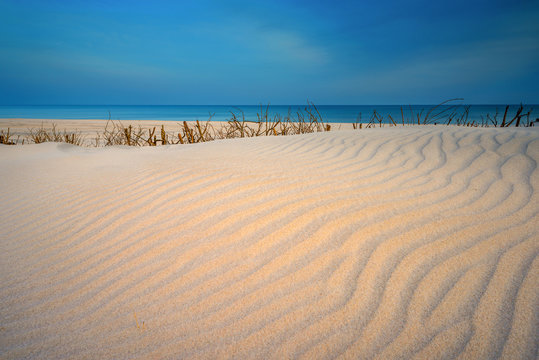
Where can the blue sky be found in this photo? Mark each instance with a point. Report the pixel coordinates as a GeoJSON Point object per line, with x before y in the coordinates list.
{"type": "Point", "coordinates": [282, 52]}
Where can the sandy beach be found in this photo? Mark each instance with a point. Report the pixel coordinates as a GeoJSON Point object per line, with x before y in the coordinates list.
{"type": "Point", "coordinates": [403, 242]}
{"type": "Point", "coordinates": [89, 128]}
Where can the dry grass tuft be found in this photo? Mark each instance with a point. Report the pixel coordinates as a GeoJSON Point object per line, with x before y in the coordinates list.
{"type": "Point", "coordinates": [6, 138]}
{"type": "Point", "coordinates": [139, 326]}
{"type": "Point", "coordinates": [42, 135]}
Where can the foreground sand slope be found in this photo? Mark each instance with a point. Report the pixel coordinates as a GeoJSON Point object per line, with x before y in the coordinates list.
{"type": "Point", "coordinates": [417, 242]}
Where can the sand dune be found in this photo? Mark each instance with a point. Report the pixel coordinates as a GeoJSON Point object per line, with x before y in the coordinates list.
{"type": "Point", "coordinates": [417, 242]}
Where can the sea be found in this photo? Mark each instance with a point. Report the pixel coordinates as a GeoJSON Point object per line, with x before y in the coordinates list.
{"type": "Point", "coordinates": [328, 113]}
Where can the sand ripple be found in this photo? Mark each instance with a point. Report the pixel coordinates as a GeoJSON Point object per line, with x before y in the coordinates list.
{"type": "Point", "coordinates": [420, 242]}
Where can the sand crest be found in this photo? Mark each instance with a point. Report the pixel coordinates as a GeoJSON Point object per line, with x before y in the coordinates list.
{"type": "Point", "coordinates": [415, 242]}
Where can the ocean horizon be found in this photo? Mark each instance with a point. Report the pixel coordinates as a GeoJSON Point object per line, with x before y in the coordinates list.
{"type": "Point", "coordinates": [329, 113]}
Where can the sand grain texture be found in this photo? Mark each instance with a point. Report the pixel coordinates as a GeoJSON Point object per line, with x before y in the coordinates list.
{"type": "Point", "coordinates": [416, 242]}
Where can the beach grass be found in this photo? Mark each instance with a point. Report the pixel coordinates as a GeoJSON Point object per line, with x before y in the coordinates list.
{"type": "Point", "coordinates": [6, 138]}
{"type": "Point", "coordinates": [304, 121]}
{"type": "Point", "coordinates": [43, 134]}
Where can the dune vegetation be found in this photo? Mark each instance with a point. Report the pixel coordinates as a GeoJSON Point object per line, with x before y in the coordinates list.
{"type": "Point", "coordinates": [304, 121]}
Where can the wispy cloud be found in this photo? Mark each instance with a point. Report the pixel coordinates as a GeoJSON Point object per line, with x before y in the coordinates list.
{"type": "Point", "coordinates": [474, 63]}
{"type": "Point", "coordinates": [288, 45]}
{"type": "Point", "coordinates": [262, 44]}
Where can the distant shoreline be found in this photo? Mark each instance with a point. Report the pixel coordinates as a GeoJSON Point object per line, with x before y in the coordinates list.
{"type": "Point", "coordinates": [329, 113]}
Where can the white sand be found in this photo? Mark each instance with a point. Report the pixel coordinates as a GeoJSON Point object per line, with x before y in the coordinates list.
{"type": "Point", "coordinates": [417, 242]}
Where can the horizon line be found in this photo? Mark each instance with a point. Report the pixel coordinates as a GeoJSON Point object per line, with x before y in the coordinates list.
{"type": "Point", "coordinates": [269, 104]}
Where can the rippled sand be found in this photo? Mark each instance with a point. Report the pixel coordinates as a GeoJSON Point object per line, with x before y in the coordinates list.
{"type": "Point", "coordinates": [415, 242]}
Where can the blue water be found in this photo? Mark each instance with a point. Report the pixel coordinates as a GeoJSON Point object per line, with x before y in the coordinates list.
{"type": "Point", "coordinates": [329, 113]}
